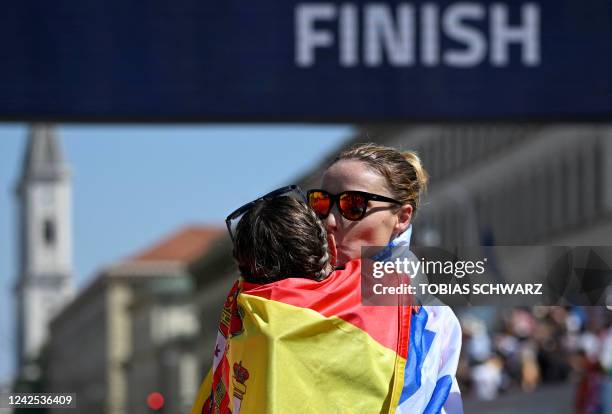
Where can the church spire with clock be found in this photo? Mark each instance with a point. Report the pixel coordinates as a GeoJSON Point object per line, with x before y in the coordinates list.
{"type": "Point", "coordinates": [44, 280]}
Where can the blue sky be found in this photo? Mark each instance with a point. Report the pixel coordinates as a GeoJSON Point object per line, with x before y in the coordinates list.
{"type": "Point", "coordinates": [134, 184]}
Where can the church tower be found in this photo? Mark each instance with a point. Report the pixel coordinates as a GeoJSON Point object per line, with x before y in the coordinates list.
{"type": "Point", "coordinates": [44, 231]}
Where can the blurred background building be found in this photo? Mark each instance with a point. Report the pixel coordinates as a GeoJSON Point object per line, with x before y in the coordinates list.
{"type": "Point", "coordinates": [128, 333]}
{"type": "Point", "coordinates": [5, 388]}
{"type": "Point", "coordinates": [44, 231]}
{"type": "Point", "coordinates": [164, 327]}
{"type": "Point", "coordinates": [512, 184]}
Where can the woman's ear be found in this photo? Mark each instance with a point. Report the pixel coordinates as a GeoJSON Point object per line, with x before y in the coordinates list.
{"type": "Point", "coordinates": [404, 217]}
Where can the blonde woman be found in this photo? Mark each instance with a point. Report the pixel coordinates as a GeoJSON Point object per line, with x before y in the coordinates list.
{"type": "Point", "coordinates": [368, 197]}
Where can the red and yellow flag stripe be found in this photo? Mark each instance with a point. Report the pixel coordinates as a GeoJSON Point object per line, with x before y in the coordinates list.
{"type": "Point", "coordinates": [307, 346]}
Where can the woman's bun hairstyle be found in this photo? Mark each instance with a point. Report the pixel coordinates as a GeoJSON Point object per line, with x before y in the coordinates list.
{"type": "Point", "coordinates": [422, 176]}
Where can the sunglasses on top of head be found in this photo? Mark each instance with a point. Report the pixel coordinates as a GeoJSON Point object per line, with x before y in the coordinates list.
{"type": "Point", "coordinates": [233, 219]}
{"type": "Point", "coordinates": [352, 205]}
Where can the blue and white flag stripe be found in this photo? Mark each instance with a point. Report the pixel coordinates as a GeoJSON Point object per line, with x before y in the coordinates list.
{"type": "Point", "coordinates": [430, 385]}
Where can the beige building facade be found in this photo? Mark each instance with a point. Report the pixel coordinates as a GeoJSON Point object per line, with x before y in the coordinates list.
{"type": "Point", "coordinates": [105, 345]}
{"type": "Point", "coordinates": [162, 359]}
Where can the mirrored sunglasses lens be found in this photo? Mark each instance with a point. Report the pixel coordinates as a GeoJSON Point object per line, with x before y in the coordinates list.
{"type": "Point", "coordinates": [352, 206]}
{"type": "Point", "coordinates": [319, 202]}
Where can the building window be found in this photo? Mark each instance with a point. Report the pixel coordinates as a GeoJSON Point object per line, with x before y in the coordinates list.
{"type": "Point", "coordinates": [49, 232]}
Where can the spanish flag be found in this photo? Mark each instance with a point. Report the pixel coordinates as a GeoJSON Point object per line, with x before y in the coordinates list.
{"type": "Point", "coordinates": [299, 345]}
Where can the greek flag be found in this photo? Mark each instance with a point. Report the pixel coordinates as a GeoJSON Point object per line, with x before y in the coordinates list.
{"type": "Point", "coordinates": [430, 385]}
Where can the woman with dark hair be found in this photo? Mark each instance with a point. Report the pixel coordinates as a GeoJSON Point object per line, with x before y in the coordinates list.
{"type": "Point", "coordinates": [368, 197]}
{"type": "Point", "coordinates": [294, 336]}
{"type": "Point", "coordinates": [281, 238]}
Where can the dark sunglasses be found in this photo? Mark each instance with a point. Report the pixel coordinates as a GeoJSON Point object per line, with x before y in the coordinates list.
{"type": "Point", "coordinates": [352, 205]}
{"type": "Point", "coordinates": [233, 219]}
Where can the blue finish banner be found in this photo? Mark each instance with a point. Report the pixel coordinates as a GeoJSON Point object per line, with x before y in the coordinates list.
{"type": "Point", "coordinates": [350, 61]}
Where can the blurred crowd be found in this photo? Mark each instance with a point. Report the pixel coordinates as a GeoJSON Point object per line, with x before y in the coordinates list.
{"type": "Point", "coordinates": [524, 348]}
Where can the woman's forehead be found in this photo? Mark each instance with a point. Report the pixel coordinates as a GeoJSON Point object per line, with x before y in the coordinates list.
{"type": "Point", "coordinates": [346, 175]}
